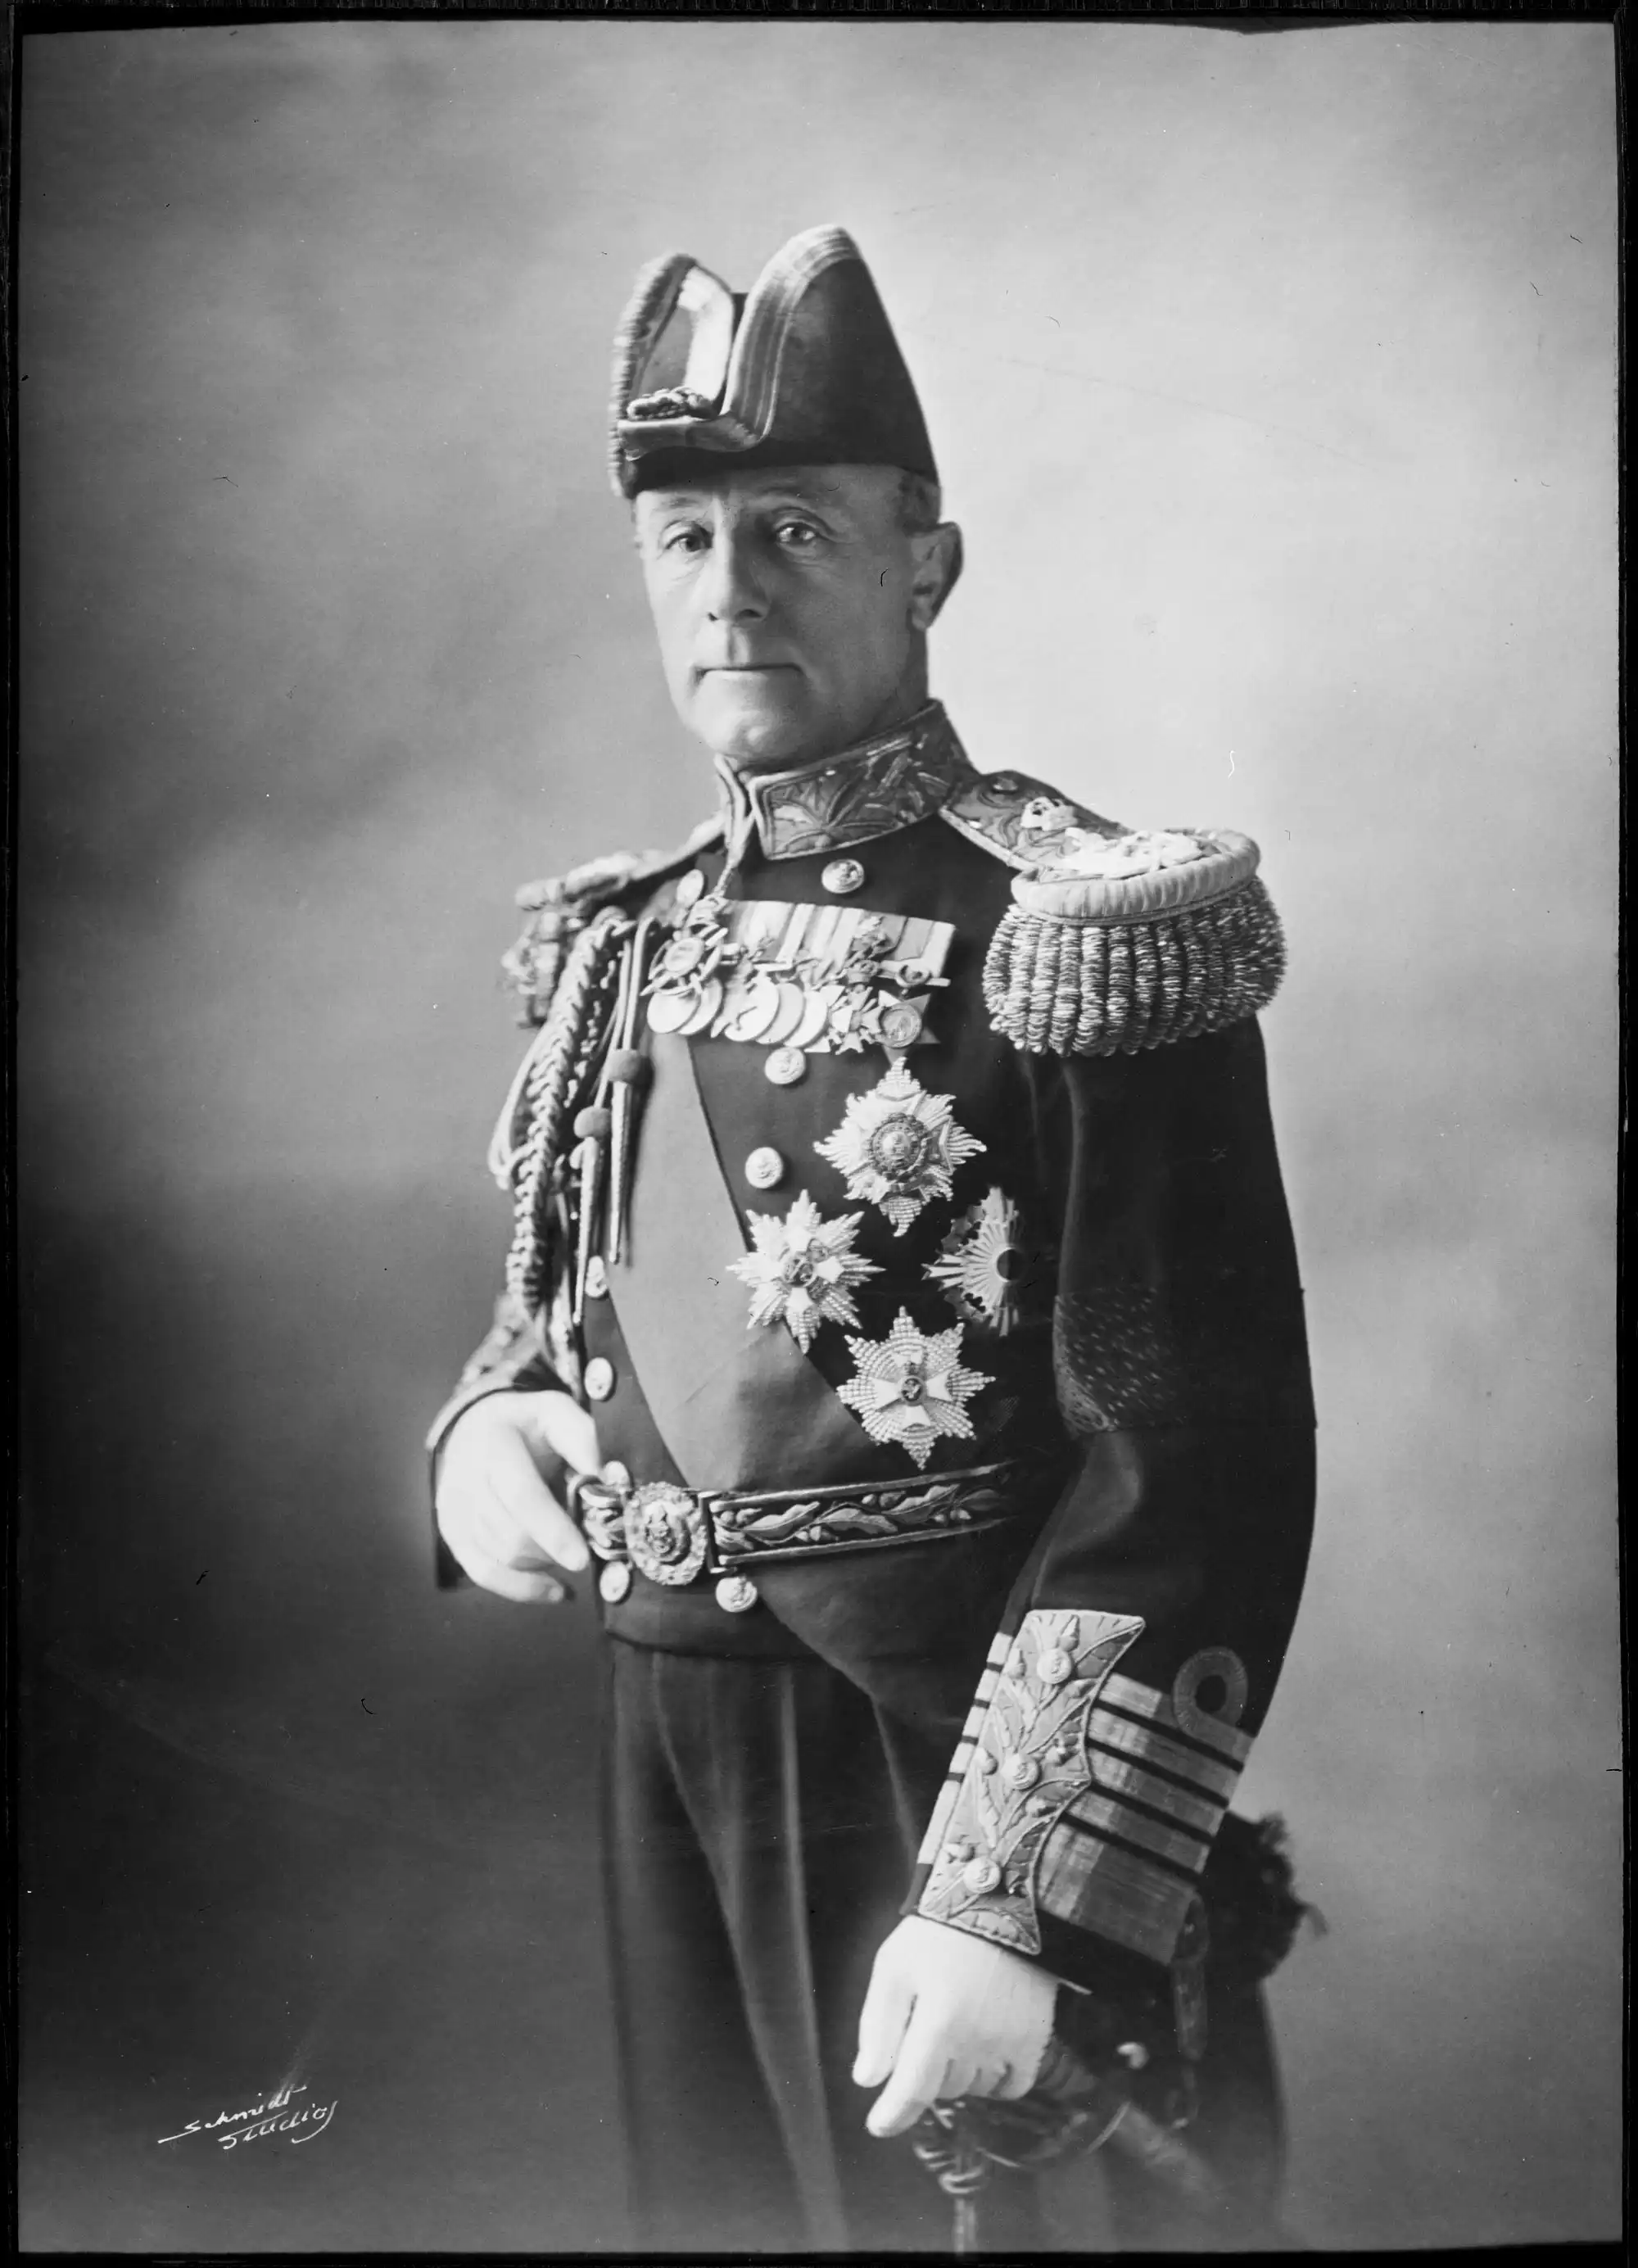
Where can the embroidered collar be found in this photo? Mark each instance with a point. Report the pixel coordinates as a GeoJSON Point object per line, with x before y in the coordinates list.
{"type": "Point", "coordinates": [873, 788]}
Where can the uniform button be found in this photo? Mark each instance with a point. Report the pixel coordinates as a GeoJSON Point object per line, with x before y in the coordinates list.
{"type": "Point", "coordinates": [785, 1066]}
{"type": "Point", "coordinates": [981, 1874]}
{"type": "Point", "coordinates": [1054, 1666]}
{"type": "Point", "coordinates": [764, 1168]}
{"type": "Point", "coordinates": [842, 877]}
{"type": "Point", "coordinates": [597, 1278]}
{"type": "Point", "coordinates": [690, 887]}
{"type": "Point", "coordinates": [614, 1581]}
{"type": "Point", "coordinates": [616, 1474]}
{"type": "Point", "coordinates": [735, 1595]}
{"type": "Point", "coordinates": [1020, 1771]}
{"type": "Point", "coordinates": [600, 1378]}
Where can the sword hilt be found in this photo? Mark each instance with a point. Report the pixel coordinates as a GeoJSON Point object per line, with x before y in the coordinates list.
{"type": "Point", "coordinates": [1073, 2108]}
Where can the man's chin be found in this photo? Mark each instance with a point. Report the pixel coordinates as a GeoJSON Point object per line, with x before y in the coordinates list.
{"type": "Point", "coordinates": [761, 722]}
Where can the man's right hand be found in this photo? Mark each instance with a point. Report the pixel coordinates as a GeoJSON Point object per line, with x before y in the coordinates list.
{"type": "Point", "coordinates": [500, 1487]}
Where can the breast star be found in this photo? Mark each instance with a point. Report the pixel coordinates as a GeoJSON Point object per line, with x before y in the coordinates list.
{"type": "Point", "coordinates": [984, 1267]}
{"type": "Point", "coordinates": [803, 1271]}
{"type": "Point", "coordinates": [898, 1146]}
{"type": "Point", "coordinates": [910, 1387]}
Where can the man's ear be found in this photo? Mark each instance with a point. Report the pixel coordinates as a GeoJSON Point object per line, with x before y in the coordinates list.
{"type": "Point", "coordinates": [937, 571]}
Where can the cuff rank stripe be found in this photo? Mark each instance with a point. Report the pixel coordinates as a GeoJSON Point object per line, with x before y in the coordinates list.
{"type": "Point", "coordinates": [1129, 1898]}
{"type": "Point", "coordinates": [1124, 1856]}
{"type": "Point", "coordinates": [995, 1662]}
{"type": "Point", "coordinates": [1191, 1771]}
{"type": "Point", "coordinates": [1163, 1799]}
{"type": "Point", "coordinates": [1209, 1733]}
{"type": "Point", "coordinates": [1109, 1822]}
{"type": "Point", "coordinates": [938, 1823]}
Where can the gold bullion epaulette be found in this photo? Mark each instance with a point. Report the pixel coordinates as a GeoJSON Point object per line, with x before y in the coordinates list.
{"type": "Point", "coordinates": [556, 911]}
{"type": "Point", "coordinates": [1118, 938]}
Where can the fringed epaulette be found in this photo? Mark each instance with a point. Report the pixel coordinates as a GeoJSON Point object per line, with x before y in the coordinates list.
{"type": "Point", "coordinates": [1117, 940]}
{"type": "Point", "coordinates": [557, 911]}
{"type": "Point", "coordinates": [1131, 942]}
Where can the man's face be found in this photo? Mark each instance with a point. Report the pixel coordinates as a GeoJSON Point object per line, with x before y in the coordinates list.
{"type": "Point", "coordinates": [791, 607]}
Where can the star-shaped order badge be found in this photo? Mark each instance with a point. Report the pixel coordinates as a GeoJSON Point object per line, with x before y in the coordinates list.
{"type": "Point", "coordinates": [985, 1269]}
{"type": "Point", "coordinates": [897, 1145]}
{"type": "Point", "coordinates": [803, 1271]}
{"type": "Point", "coordinates": [910, 1387]}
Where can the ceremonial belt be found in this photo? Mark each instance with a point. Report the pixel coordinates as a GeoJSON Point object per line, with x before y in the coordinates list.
{"type": "Point", "coordinates": [672, 1535]}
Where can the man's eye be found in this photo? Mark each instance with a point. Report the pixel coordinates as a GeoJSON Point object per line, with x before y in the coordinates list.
{"type": "Point", "coordinates": [796, 535]}
{"type": "Point", "coordinates": [685, 539]}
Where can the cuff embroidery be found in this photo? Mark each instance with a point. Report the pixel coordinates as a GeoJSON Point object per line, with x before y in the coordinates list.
{"type": "Point", "coordinates": [1021, 1760]}
{"type": "Point", "coordinates": [1080, 1794]}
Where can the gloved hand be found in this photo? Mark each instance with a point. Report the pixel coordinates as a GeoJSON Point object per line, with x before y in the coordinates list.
{"type": "Point", "coordinates": [946, 2015]}
{"type": "Point", "coordinates": [496, 1508]}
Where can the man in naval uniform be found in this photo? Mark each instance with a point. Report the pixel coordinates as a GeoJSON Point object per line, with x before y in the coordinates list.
{"type": "Point", "coordinates": [902, 1314]}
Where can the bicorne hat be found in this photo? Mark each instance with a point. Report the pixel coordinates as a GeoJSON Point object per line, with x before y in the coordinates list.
{"type": "Point", "coordinates": [803, 370]}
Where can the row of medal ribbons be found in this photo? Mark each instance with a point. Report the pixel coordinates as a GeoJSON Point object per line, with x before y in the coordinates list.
{"type": "Point", "coordinates": [821, 978]}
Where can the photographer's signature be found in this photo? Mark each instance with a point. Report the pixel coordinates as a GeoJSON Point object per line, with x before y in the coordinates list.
{"type": "Point", "coordinates": [275, 2116]}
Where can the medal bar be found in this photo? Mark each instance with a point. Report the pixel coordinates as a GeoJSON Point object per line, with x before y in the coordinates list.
{"type": "Point", "coordinates": [821, 978]}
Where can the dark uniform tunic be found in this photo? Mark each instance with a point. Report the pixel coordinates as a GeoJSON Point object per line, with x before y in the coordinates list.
{"type": "Point", "coordinates": [959, 1583]}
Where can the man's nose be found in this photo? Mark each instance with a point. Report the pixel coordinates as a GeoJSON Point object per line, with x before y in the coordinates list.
{"type": "Point", "coordinates": [734, 591]}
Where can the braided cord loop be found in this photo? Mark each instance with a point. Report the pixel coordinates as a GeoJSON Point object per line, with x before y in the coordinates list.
{"type": "Point", "coordinates": [561, 1064]}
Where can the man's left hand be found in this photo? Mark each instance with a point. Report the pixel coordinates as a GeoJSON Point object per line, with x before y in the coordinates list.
{"type": "Point", "coordinates": [947, 2014]}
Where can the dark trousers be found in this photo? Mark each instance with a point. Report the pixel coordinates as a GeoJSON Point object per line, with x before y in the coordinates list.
{"type": "Point", "coordinates": [762, 1825]}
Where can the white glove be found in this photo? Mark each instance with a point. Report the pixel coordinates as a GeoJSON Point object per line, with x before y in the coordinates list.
{"type": "Point", "coordinates": [946, 2015]}
{"type": "Point", "coordinates": [495, 1508]}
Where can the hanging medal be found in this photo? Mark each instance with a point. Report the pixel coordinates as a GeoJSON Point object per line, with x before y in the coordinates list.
{"type": "Point", "coordinates": [825, 979]}
{"type": "Point", "coordinates": [686, 986]}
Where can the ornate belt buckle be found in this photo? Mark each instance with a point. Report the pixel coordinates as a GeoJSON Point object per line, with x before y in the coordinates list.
{"type": "Point", "coordinates": [603, 1517]}
{"type": "Point", "coordinates": [666, 1532]}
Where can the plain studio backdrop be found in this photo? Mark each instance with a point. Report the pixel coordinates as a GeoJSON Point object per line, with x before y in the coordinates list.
{"type": "Point", "coordinates": [1273, 381]}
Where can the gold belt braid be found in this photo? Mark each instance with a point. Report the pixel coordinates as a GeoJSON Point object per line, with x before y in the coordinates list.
{"type": "Point", "coordinates": [672, 1535]}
